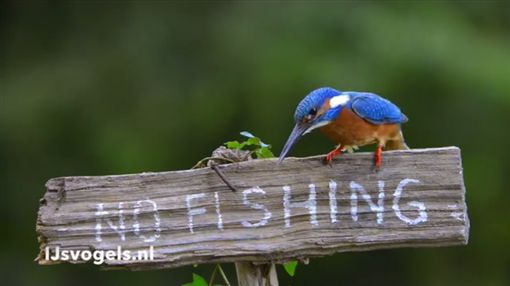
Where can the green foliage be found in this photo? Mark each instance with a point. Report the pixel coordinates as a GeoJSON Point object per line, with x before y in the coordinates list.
{"type": "Point", "coordinates": [197, 281]}
{"type": "Point", "coordinates": [290, 267]}
{"type": "Point", "coordinates": [259, 148]}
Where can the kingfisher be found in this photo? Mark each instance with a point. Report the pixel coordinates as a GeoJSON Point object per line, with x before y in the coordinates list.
{"type": "Point", "coordinates": [351, 119]}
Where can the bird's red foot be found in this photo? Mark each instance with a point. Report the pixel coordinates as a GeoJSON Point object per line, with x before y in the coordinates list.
{"type": "Point", "coordinates": [378, 157]}
{"type": "Point", "coordinates": [329, 157]}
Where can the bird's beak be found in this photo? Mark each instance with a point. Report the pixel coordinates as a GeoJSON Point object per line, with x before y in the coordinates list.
{"type": "Point", "coordinates": [296, 133]}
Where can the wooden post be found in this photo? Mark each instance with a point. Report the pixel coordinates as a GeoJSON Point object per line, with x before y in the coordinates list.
{"type": "Point", "coordinates": [249, 274]}
{"type": "Point", "coordinates": [294, 210]}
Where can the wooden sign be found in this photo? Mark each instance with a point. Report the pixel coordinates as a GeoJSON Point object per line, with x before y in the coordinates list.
{"type": "Point", "coordinates": [298, 209]}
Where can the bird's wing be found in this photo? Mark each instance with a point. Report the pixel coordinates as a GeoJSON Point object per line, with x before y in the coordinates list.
{"type": "Point", "coordinates": [376, 110]}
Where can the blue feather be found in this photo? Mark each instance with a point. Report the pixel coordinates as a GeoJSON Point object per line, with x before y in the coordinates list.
{"type": "Point", "coordinates": [375, 109]}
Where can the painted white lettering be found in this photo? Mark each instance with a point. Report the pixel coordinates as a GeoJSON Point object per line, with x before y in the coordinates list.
{"type": "Point", "coordinates": [218, 211]}
{"type": "Point", "coordinates": [379, 208]}
{"type": "Point", "coordinates": [309, 204]}
{"type": "Point", "coordinates": [193, 211]}
{"type": "Point", "coordinates": [332, 202]}
{"type": "Point", "coordinates": [455, 214]}
{"type": "Point", "coordinates": [257, 206]}
{"type": "Point", "coordinates": [422, 214]}
{"type": "Point", "coordinates": [157, 220]}
{"type": "Point", "coordinates": [119, 228]}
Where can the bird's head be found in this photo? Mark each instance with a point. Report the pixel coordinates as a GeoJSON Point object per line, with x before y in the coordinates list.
{"type": "Point", "coordinates": [319, 108]}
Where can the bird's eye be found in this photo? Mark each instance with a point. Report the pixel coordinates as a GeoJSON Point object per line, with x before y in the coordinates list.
{"type": "Point", "coordinates": [311, 115]}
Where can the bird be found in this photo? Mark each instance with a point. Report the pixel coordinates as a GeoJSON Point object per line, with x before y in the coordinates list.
{"type": "Point", "coordinates": [351, 119]}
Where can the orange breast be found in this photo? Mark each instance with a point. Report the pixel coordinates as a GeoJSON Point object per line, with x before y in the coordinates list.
{"type": "Point", "coordinates": [350, 129]}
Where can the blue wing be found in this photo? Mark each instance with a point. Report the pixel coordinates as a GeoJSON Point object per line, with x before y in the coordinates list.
{"type": "Point", "coordinates": [375, 109]}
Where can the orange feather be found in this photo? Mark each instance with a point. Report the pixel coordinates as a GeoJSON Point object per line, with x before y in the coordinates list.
{"type": "Point", "coordinates": [351, 130]}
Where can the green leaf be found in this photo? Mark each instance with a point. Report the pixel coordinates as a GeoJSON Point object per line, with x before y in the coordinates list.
{"type": "Point", "coordinates": [197, 281]}
{"type": "Point", "coordinates": [264, 152]}
{"type": "Point", "coordinates": [290, 267]}
{"type": "Point", "coordinates": [233, 145]}
{"type": "Point", "coordinates": [253, 141]}
{"type": "Point", "coordinates": [257, 139]}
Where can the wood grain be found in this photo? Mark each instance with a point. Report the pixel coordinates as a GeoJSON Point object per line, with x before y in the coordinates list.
{"type": "Point", "coordinates": [149, 209]}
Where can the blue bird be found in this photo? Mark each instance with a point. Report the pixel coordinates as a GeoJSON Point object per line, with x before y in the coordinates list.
{"type": "Point", "coordinates": [350, 119]}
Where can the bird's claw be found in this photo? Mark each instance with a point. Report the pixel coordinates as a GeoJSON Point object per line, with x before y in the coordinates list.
{"type": "Point", "coordinates": [327, 160]}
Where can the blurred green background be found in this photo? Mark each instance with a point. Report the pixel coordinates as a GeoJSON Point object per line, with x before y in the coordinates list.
{"type": "Point", "coordinates": [91, 89]}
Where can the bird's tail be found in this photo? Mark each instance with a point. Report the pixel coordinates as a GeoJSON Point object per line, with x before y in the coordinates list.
{"type": "Point", "coordinates": [397, 144]}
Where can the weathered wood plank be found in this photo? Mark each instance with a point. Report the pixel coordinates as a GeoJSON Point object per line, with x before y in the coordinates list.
{"type": "Point", "coordinates": [298, 209]}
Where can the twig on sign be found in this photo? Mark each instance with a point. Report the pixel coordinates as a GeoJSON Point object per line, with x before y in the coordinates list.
{"type": "Point", "coordinates": [223, 178]}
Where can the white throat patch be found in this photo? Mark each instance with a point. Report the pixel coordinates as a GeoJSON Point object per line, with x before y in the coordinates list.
{"type": "Point", "coordinates": [320, 124]}
{"type": "Point", "coordinates": [341, 99]}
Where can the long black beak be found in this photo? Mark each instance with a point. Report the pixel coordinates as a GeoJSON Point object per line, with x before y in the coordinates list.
{"type": "Point", "coordinates": [294, 136]}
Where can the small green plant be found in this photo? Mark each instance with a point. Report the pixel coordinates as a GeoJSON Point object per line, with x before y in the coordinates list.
{"type": "Point", "coordinates": [259, 148]}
